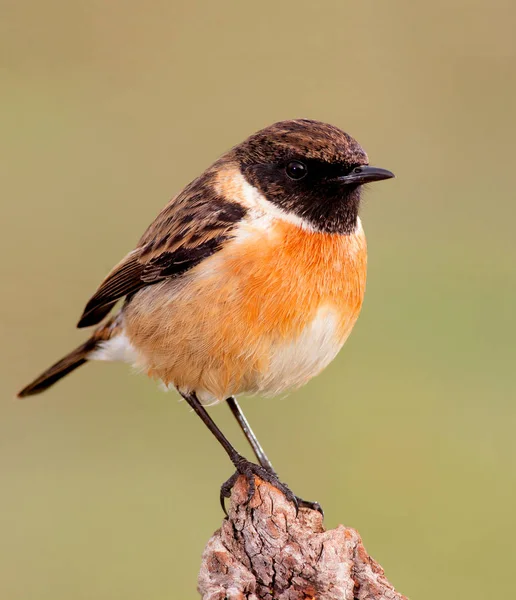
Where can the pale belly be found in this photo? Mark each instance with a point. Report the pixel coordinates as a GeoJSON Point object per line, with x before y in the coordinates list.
{"type": "Point", "coordinates": [294, 363]}
{"type": "Point", "coordinates": [262, 316]}
{"type": "Point", "coordinates": [285, 364]}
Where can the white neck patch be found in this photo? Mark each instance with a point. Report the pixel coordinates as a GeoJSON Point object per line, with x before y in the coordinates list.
{"type": "Point", "coordinates": [259, 208]}
{"type": "Point", "coordinates": [256, 202]}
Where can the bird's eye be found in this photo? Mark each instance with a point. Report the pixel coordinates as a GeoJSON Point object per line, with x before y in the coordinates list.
{"type": "Point", "coordinates": [296, 170]}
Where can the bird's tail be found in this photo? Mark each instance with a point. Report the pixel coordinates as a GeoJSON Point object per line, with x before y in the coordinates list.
{"type": "Point", "coordinates": [71, 361]}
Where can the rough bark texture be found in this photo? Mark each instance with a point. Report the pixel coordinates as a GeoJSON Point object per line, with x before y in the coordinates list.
{"type": "Point", "coordinates": [264, 552]}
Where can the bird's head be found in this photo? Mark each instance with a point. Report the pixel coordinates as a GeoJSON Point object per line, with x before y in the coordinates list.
{"type": "Point", "coordinates": [309, 170]}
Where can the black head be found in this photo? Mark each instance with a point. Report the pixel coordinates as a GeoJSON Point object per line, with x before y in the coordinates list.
{"type": "Point", "coordinates": [311, 169]}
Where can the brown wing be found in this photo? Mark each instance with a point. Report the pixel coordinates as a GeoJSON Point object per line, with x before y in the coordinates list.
{"type": "Point", "coordinates": [194, 225]}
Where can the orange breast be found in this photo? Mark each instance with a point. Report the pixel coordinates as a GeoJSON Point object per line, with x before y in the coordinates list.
{"type": "Point", "coordinates": [218, 329]}
{"type": "Point", "coordinates": [287, 275]}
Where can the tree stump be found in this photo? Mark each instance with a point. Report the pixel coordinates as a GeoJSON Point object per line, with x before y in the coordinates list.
{"type": "Point", "coordinates": [264, 552]}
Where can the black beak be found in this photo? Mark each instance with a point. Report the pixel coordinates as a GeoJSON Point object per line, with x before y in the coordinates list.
{"type": "Point", "coordinates": [365, 174]}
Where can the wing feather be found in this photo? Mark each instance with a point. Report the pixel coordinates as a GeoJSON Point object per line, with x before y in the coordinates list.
{"type": "Point", "coordinates": [194, 225]}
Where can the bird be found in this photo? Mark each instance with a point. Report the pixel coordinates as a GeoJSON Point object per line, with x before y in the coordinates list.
{"type": "Point", "coordinates": [249, 281]}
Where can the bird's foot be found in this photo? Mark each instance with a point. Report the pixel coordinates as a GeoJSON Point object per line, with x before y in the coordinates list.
{"type": "Point", "coordinates": [309, 504]}
{"type": "Point", "coordinates": [249, 470]}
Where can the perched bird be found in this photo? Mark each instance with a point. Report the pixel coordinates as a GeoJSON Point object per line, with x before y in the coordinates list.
{"type": "Point", "coordinates": [248, 281]}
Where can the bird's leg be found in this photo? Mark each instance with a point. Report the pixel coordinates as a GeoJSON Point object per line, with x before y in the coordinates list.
{"type": "Point", "coordinates": [242, 465]}
{"type": "Point", "coordinates": [258, 450]}
{"type": "Point", "coordinates": [249, 434]}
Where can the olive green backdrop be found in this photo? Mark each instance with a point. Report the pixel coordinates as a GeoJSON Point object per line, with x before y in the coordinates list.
{"type": "Point", "coordinates": [109, 487]}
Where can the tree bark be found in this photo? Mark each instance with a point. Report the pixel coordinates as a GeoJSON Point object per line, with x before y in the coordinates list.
{"type": "Point", "coordinates": [264, 552]}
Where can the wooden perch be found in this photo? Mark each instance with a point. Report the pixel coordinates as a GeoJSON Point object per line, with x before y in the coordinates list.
{"type": "Point", "coordinates": [264, 552]}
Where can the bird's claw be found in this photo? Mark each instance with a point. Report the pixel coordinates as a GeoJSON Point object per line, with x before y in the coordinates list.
{"type": "Point", "coordinates": [249, 470]}
{"type": "Point", "coordinates": [309, 504]}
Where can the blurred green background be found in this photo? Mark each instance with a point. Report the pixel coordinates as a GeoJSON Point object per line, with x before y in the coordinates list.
{"type": "Point", "coordinates": [109, 487]}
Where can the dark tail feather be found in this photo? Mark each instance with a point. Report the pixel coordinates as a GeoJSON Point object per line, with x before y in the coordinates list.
{"type": "Point", "coordinates": [66, 365]}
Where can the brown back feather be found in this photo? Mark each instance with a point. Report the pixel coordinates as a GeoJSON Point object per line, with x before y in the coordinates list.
{"type": "Point", "coordinates": [192, 226]}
